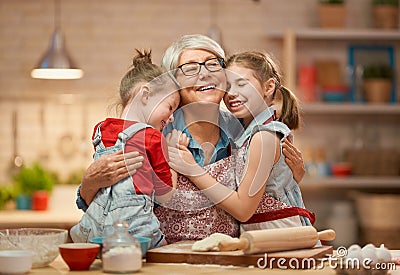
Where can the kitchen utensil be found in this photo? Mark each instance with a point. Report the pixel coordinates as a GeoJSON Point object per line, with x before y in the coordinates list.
{"type": "Point", "coordinates": [43, 153]}
{"type": "Point", "coordinates": [181, 252]}
{"type": "Point", "coordinates": [68, 143]}
{"type": "Point", "coordinates": [279, 239]}
{"type": "Point", "coordinates": [16, 160]}
{"type": "Point", "coordinates": [85, 141]}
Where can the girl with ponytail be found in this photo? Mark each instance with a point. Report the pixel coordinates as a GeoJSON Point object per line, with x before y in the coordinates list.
{"type": "Point", "coordinates": [148, 98]}
{"type": "Point", "coordinates": [267, 194]}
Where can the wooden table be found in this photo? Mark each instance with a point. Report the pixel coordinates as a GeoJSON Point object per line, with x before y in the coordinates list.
{"type": "Point", "coordinates": [59, 267]}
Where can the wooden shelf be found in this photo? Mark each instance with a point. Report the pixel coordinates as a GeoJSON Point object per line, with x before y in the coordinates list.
{"type": "Point", "coordinates": [342, 34]}
{"type": "Point", "coordinates": [358, 182]}
{"type": "Point", "coordinates": [351, 108]}
{"type": "Point", "coordinates": [291, 37]}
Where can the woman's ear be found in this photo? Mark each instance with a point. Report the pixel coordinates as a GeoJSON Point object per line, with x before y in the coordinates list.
{"type": "Point", "coordinates": [144, 93]}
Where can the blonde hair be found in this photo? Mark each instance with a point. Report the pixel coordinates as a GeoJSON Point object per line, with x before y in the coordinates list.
{"type": "Point", "coordinates": [264, 68]}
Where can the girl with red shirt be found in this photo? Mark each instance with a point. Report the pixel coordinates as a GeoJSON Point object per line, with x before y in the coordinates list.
{"type": "Point", "coordinates": [148, 100]}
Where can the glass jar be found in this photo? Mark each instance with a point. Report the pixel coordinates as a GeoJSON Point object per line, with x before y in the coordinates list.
{"type": "Point", "coordinates": [121, 252]}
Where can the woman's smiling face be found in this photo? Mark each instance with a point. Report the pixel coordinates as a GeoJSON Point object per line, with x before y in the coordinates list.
{"type": "Point", "coordinates": [206, 86]}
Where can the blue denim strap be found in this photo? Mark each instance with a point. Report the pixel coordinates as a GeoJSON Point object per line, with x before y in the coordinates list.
{"type": "Point", "coordinates": [97, 138]}
{"type": "Point", "coordinates": [131, 131]}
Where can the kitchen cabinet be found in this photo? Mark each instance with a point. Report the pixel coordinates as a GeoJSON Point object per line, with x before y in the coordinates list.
{"type": "Point", "coordinates": [379, 123]}
{"type": "Point", "coordinates": [337, 128]}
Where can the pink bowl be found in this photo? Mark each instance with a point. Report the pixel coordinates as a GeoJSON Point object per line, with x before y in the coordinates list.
{"type": "Point", "coordinates": [79, 256]}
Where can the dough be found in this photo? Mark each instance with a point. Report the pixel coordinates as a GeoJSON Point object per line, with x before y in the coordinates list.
{"type": "Point", "coordinates": [211, 243]}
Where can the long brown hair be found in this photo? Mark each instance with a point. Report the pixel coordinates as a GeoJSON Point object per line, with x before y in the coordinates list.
{"type": "Point", "coordinates": [264, 68]}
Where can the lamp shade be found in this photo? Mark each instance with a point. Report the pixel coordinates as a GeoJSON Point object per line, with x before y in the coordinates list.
{"type": "Point", "coordinates": [56, 62]}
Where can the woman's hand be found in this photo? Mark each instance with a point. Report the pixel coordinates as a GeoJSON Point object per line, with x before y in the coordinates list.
{"type": "Point", "coordinates": [108, 170]}
{"type": "Point", "coordinates": [294, 159]}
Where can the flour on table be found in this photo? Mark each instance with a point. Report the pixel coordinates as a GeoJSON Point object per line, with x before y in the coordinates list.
{"type": "Point", "coordinates": [211, 243]}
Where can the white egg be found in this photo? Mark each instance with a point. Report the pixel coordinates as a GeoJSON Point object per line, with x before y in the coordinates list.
{"type": "Point", "coordinates": [354, 247]}
{"type": "Point", "coordinates": [383, 254]}
{"type": "Point", "coordinates": [368, 246]}
{"type": "Point", "coordinates": [369, 253]}
{"type": "Point", "coordinates": [355, 254]}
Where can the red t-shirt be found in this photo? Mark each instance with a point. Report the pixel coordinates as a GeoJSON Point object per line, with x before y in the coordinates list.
{"type": "Point", "coordinates": [155, 173]}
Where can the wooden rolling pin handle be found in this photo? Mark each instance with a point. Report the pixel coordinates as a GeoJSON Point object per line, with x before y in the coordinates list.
{"type": "Point", "coordinates": [327, 235]}
{"type": "Point", "coordinates": [231, 245]}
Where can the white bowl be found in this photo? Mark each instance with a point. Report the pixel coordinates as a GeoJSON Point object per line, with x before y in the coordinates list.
{"type": "Point", "coordinates": [15, 261]}
{"type": "Point", "coordinates": [43, 242]}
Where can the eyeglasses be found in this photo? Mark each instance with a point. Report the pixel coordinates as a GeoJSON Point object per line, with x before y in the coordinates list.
{"type": "Point", "coordinates": [193, 68]}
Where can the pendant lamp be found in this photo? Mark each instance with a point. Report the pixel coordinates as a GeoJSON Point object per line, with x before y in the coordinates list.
{"type": "Point", "coordinates": [56, 63]}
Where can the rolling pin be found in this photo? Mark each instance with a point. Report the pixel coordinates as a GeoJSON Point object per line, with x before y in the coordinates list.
{"type": "Point", "coordinates": [279, 239]}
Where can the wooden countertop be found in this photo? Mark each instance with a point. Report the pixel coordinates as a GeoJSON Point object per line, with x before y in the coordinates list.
{"type": "Point", "coordinates": [60, 267]}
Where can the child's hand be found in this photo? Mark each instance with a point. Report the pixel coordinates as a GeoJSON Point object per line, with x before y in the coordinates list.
{"type": "Point", "coordinates": [182, 161]}
{"type": "Point", "coordinates": [177, 138]}
{"type": "Point", "coordinates": [184, 140]}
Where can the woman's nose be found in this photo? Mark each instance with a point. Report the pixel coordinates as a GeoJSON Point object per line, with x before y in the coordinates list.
{"type": "Point", "coordinates": [203, 71]}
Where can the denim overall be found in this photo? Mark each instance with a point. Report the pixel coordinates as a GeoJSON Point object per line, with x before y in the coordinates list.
{"type": "Point", "coordinates": [118, 202]}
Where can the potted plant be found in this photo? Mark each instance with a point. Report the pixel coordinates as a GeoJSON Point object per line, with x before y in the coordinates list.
{"type": "Point", "coordinates": [377, 82]}
{"type": "Point", "coordinates": [7, 194]}
{"type": "Point", "coordinates": [34, 184]}
{"type": "Point", "coordinates": [385, 13]}
{"type": "Point", "coordinates": [332, 13]}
